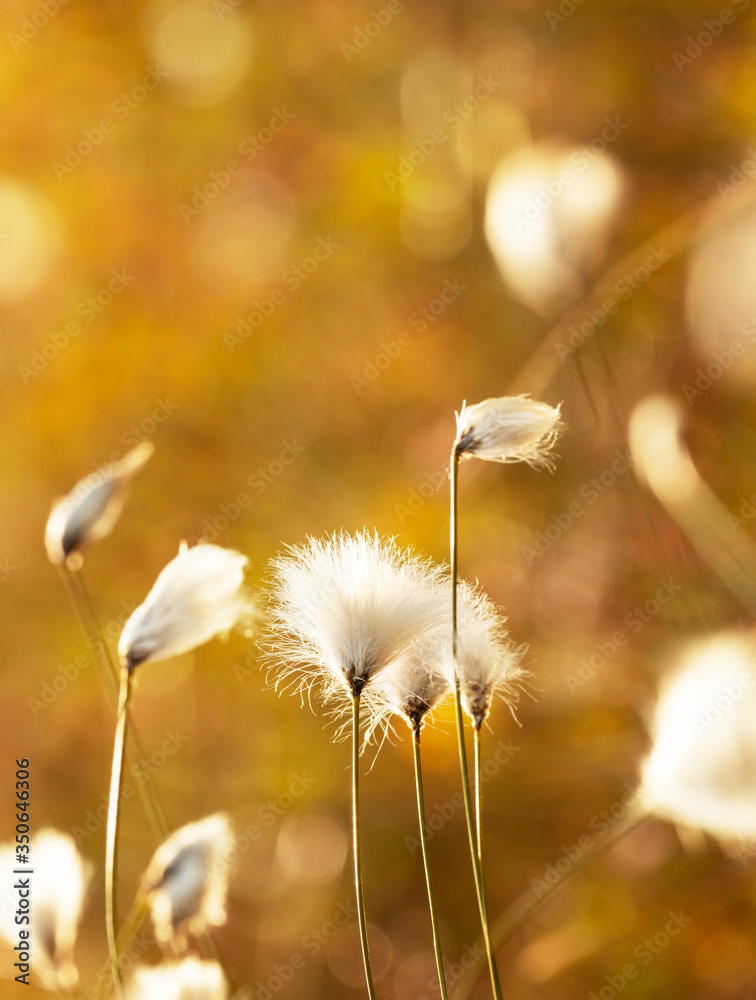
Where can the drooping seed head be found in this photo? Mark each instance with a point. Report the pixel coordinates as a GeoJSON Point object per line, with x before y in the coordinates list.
{"type": "Point", "coordinates": [196, 597]}
{"type": "Point", "coordinates": [508, 429]}
{"type": "Point", "coordinates": [90, 511]}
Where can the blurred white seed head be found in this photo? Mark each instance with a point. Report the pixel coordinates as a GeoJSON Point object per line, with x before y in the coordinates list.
{"type": "Point", "coordinates": [721, 293]}
{"type": "Point", "coordinates": [344, 608]}
{"type": "Point", "coordinates": [190, 979]}
{"type": "Point", "coordinates": [509, 429]}
{"type": "Point", "coordinates": [701, 772]}
{"type": "Point", "coordinates": [661, 459]}
{"type": "Point", "coordinates": [487, 660]}
{"type": "Point", "coordinates": [197, 596]}
{"type": "Point", "coordinates": [186, 882]}
{"type": "Point", "coordinates": [549, 215]}
{"type": "Point", "coordinates": [59, 882]}
{"type": "Point", "coordinates": [90, 511]}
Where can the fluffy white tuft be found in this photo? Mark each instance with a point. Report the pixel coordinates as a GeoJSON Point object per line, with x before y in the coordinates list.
{"type": "Point", "coordinates": [197, 596]}
{"type": "Point", "coordinates": [488, 661]}
{"type": "Point", "coordinates": [345, 608]}
{"type": "Point", "coordinates": [509, 429]}
{"type": "Point", "coordinates": [414, 684]}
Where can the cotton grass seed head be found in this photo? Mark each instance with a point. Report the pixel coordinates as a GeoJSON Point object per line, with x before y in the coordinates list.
{"type": "Point", "coordinates": [415, 683]}
{"type": "Point", "coordinates": [190, 979]}
{"type": "Point", "coordinates": [508, 429]}
{"type": "Point", "coordinates": [197, 596]}
{"type": "Point", "coordinates": [60, 878]}
{"type": "Point", "coordinates": [90, 511]}
{"type": "Point", "coordinates": [487, 660]}
{"type": "Point", "coordinates": [186, 882]}
{"type": "Point", "coordinates": [346, 607]}
{"type": "Point", "coordinates": [701, 772]}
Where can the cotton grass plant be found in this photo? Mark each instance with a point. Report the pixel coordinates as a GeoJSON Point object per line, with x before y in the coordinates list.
{"type": "Point", "coordinates": [77, 521]}
{"type": "Point", "coordinates": [367, 628]}
{"type": "Point", "coordinates": [508, 429]}
{"type": "Point", "coordinates": [342, 610]}
{"type": "Point", "coordinates": [196, 597]}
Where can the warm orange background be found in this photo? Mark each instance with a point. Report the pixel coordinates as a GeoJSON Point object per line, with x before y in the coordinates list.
{"type": "Point", "coordinates": [197, 211]}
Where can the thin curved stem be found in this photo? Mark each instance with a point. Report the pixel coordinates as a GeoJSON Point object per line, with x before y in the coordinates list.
{"type": "Point", "coordinates": [96, 639]}
{"type": "Point", "coordinates": [471, 830]}
{"type": "Point", "coordinates": [111, 844]}
{"type": "Point", "coordinates": [356, 843]}
{"type": "Point", "coordinates": [515, 916]}
{"type": "Point", "coordinates": [476, 768]}
{"type": "Point", "coordinates": [426, 861]}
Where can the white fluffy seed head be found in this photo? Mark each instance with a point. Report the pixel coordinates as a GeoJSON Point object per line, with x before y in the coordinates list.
{"type": "Point", "coordinates": [701, 772]}
{"type": "Point", "coordinates": [415, 683]}
{"type": "Point", "coordinates": [186, 882]}
{"type": "Point", "coordinates": [90, 511]}
{"type": "Point", "coordinates": [345, 608]}
{"type": "Point", "coordinates": [508, 429]}
{"type": "Point", "coordinates": [197, 596]}
{"type": "Point", "coordinates": [59, 883]}
{"type": "Point", "coordinates": [191, 979]}
{"type": "Point", "coordinates": [487, 660]}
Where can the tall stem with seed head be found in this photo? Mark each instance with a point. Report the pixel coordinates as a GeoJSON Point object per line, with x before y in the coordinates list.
{"type": "Point", "coordinates": [426, 862]}
{"type": "Point", "coordinates": [111, 845]}
{"type": "Point", "coordinates": [471, 827]}
{"type": "Point", "coordinates": [356, 841]}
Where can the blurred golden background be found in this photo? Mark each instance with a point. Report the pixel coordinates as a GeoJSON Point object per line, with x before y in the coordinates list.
{"type": "Point", "coordinates": [284, 242]}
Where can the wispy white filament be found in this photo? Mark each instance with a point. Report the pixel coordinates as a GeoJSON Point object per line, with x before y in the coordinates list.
{"type": "Point", "coordinates": [90, 511]}
{"type": "Point", "coordinates": [487, 660]}
{"type": "Point", "coordinates": [197, 596]}
{"type": "Point", "coordinates": [415, 683]}
{"type": "Point", "coordinates": [701, 772]}
{"type": "Point", "coordinates": [59, 882]}
{"type": "Point", "coordinates": [346, 607]}
{"type": "Point", "coordinates": [508, 429]}
{"type": "Point", "coordinates": [186, 882]}
{"type": "Point", "coordinates": [191, 979]}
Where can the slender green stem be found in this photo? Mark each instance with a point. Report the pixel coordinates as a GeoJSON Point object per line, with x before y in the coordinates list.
{"type": "Point", "coordinates": [426, 861]}
{"type": "Point", "coordinates": [356, 842]}
{"type": "Point", "coordinates": [78, 591]}
{"type": "Point", "coordinates": [476, 768]}
{"type": "Point", "coordinates": [512, 919]}
{"type": "Point", "coordinates": [111, 845]}
{"type": "Point", "coordinates": [478, 828]}
{"type": "Point", "coordinates": [471, 832]}
{"type": "Point", "coordinates": [84, 608]}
